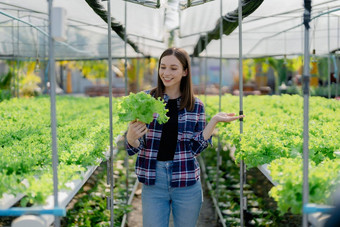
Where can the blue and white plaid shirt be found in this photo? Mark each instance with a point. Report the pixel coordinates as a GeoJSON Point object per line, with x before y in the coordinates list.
{"type": "Point", "coordinates": [190, 143]}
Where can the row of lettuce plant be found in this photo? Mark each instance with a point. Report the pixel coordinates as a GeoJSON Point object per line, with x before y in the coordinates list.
{"type": "Point", "coordinates": [83, 138]}
{"type": "Point", "coordinates": [25, 138]}
{"type": "Point", "coordinates": [90, 208]}
{"type": "Point", "coordinates": [272, 131]}
{"type": "Point", "coordinates": [273, 134]}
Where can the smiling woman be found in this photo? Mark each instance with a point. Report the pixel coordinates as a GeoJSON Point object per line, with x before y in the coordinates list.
{"type": "Point", "coordinates": [166, 162]}
{"type": "Point", "coordinates": [171, 72]}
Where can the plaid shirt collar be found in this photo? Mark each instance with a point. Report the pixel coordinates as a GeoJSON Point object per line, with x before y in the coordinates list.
{"type": "Point", "coordinates": [166, 99]}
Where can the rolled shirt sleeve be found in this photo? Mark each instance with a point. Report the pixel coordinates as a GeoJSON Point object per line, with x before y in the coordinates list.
{"type": "Point", "coordinates": [198, 142]}
{"type": "Point", "coordinates": [134, 150]}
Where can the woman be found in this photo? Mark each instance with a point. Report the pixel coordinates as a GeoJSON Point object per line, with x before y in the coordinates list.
{"type": "Point", "coordinates": [166, 162]}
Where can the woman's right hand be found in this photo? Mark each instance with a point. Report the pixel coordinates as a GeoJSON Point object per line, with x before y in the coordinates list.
{"type": "Point", "coordinates": [135, 131]}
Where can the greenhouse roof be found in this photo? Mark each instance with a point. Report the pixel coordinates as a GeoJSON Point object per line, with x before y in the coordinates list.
{"type": "Point", "coordinates": [273, 28]}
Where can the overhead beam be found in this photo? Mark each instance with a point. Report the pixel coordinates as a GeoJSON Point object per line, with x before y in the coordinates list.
{"type": "Point", "coordinates": [230, 23]}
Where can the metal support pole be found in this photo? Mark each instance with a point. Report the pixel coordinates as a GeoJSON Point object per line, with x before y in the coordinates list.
{"type": "Point", "coordinates": [126, 159]}
{"type": "Point", "coordinates": [125, 52]}
{"type": "Point", "coordinates": [110, 162]}
{"type": "Point", "coordinates": [336, 73]}
{"type": "Point", "coordinates": [206, 69]}
{"type": "Point", "coordinates": [285, 60]}
{"type": "Point", "coordinates": [61, 68]}
{"type": "Point", "coordinates": [53, 110]}
{"type": "Point", "coordinates": [205, 76]}
{"type": "Point", "coordinates": [12, 31]}
{"type": "Point", "coordinates": [337, 76]}
{"type": "Point", "coordinates": [137, 70]}
{"type": "Point", "coordinates": [18, 61]}
{"type": "Point", "coordinates": [243, 202]}
{"type": "Point", "coordinates": [12, 62]}
{"type": "Point", "coordinates": [306, 78]}
{"type": "Point", "coordinates": [306, 131]}
{"type": "Point", "coordinates": [218, 162]}
{"type": "Point", "coordinates": [200, 67]}
{"type": "Point", "coordinates": [38, 61]}
{"type": "Point", "coordinates": [45, 64]}
{"type": "Point", "coordinates": [302, 34]}
{"type": "Point", "coordinates": [329, 55]}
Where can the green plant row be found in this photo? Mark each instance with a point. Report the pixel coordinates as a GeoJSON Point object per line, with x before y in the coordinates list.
{"type": "Point", "coordinates": [273, 130]}
{"type": "Point", "coordinates": [91, 209]}
{"type": "Point", "coordinates": [287, 172]}
{"type": "Point", "coordinates": [25, 142]}
{"type": "Point", "coordinates": [314, 91]}
{"type": "Point", "coordinates": [273, 127]}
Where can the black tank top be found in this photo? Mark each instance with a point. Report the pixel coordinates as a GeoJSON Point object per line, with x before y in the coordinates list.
{"type": "Point", "coordinates": [168, 143]}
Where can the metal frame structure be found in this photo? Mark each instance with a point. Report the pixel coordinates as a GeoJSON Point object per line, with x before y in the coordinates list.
{"type": "Point", "coordinates": [190, 3]}
{"type": "Point", "coordinates": [243, 199]}
{"type": "Point", "coordinates": [243, 202]}
{"type": "Point", "coordinates": [53, 109]}
{"type": "Point", "coordinates": [151, 4]}
{"type": "Point", "coordinates": [110, 178]}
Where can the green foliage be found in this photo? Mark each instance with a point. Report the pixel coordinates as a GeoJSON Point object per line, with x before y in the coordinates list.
{"type": "Point", "coordinates": [287, 172]}
{"type": "Point", "coordinates": [25, 138]}
{"type": "Point", "coordinates": [29, 85]}
{"type": "Point", "coordinates": [295, 64]}
{"type": "Point", "coordinates": [141, 107]}
{"type": "Point", "coordinates": [5, 80]}
{"type": "Point", "coordinates": [273, 134]}
{"type": "Point", "coordinates": [273, 127]}
{"type": "Point", "coordinates": [90, 210]}
{"type": "Point", "coordinates": [93, 69]}
{"type": "Point", "coordinates": [321, 91]}
{"type": "Point", "coordinates": [5, 95]}
{"type": "Point", "coordinates": [5, 86]}
{"type": "Point", "coordinates": [281, 69]}
{"type": "Point", "coordinates": [323, 68]}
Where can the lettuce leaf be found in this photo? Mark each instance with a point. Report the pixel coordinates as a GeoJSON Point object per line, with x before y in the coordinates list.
{"type": "Point", "coordinates": [141, 107]}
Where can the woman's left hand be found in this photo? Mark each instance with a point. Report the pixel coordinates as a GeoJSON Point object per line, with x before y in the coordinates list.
{"type": "Point", "coordinates": [219, 117]}
{"type": "Point", "coordinates": [226, 117]}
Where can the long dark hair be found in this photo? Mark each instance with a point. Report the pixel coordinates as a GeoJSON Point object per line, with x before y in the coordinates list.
{"type": "Point", "coordinates": [187, 92]}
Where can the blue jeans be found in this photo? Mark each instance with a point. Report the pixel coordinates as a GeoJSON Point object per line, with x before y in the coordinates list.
{"type": "Point", "coordinates": [159, 199]}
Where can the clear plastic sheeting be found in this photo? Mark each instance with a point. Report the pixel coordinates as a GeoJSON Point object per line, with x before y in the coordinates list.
{"type": "Point", "coordinates": [203, 18]}
{"type": "Point", "coordinates": [24, 28]}
{"type": "Point", "coordinates": [274, 29]}
{"type": "Point", "coordinates": [141, 21]}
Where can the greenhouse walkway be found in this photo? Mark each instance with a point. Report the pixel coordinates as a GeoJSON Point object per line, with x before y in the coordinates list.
{"type": "Point", "coordinates": [206, 218]}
